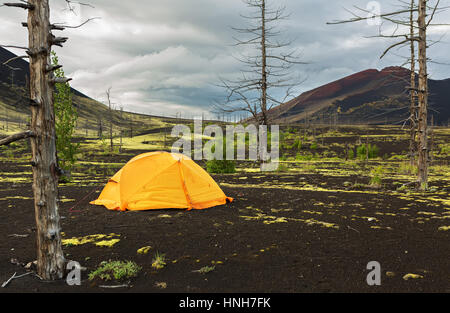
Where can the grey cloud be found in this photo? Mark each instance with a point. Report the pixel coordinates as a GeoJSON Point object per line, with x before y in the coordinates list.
{"type": "Point", "coordinates": [165, 56]}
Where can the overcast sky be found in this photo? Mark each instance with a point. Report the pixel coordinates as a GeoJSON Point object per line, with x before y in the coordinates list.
{"type": "Point", "coordinates": [164, 57]}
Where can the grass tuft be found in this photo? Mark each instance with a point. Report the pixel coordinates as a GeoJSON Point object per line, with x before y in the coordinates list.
{"type": "Point", "coordinates": [159, 261]}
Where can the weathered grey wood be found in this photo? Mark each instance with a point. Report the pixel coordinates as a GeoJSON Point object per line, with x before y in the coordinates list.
{"type": "Point", "coordinates": [108, 95]}
{"type": "Point", "coordinates": [60, 80]}
{"type": "Point", "coordinates": [50, 258]}
{"type": "Point", "coordinates": [423, 98]}
{"type": "Point", "coordinates": [52, 68]}
{"type": "Point", "coordinates": [25, 5]}
{"type": "Point", "coordinates": [263, 65]}
{"type": "Point", "coordinates": [413, 104]}
{"type": "Point", "coordinates": [15, 137]}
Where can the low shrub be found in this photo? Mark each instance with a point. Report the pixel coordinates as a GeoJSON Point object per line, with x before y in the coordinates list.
{"type": "Point", "coordinates": [159, 261]}
{"type": "Point", "coordinates": [361, 151]}
{"type": "Point", "coordinates": [115, 270]}
{"type": "Point", "coordinates": [377, 176]}
{"type": "Point", "coordinates": [221, 166]}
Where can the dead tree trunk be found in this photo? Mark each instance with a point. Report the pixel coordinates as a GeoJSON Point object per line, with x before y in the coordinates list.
{"type": "Point", "coordinates": [50, 258]}
{"type": "Point", "coordinates": [108, 94]}
{"type": "Point", "coordinates": [100, 129]}
{"type": "Point", "coordinates": [423, 98]}
{"type": "Point", "coordinates": [120, 129]}
{"type": "Point", "coordinates": [265, 70]}
{"type": "Point", "coordinates": [6, 141]}
{"type": "Point", "coordinates": [131, 125]}
{"type": "Point", "coordinates": [165, 138]}
{"type": "Point", "coordinates": [422, 90]}
{"type": "Point", "coordinates": [6, 118]}
{"type": "Point", "coordinates": [413, 124]}
{"type": "Point", "coordinates": [431, 136]}
{"type": "Point", "coordinates": [263, 65]}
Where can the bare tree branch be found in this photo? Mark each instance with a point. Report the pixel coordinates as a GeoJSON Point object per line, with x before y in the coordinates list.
{"type": "Point", "coordinates": [14, 47]}
{"type": "Point", "coordinates": [267, 71]}
{"type": "Point", "coordinates": [24, 5]}
{"type": "Point", "coordinates": [61, 26]}
{"type": "Point", "coordinates": [16, 137]}
{"type": "Point", "coordinates": [359, 18]}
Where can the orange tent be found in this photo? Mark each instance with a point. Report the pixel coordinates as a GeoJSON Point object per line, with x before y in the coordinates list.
{"type": "Point", "coordinates": [161, 180]}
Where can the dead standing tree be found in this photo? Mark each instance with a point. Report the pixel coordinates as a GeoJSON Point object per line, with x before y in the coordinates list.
{"type": "Point", "coordinates": [417, 34]}
{"type": "Point", "coordinates": [50, 257]}
{"type": "Point", "coordinates": [411, 39]}
{"type": "Point", "coordinates": [412, 92]}
{"type": "Point", "coordinates": [100, 129]}
{"type": "Point", "coordinates": [110, 111]}
{"type": "Point", "coordinates": [267, 69]}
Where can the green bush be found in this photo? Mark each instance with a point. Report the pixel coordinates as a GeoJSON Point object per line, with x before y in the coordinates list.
{"type": "Point", "coordinates": [221, 166]}
{"type": "Point", "coordinates": [361, 151]}
{"type": "Point", "coordinates": [314, 146]}
{"type": "Point", "coordinates": [373, 151]}
{"type": "Point", "coordinates": [66, 117]}
{"type": "Point", "coordinates": [115, 270]}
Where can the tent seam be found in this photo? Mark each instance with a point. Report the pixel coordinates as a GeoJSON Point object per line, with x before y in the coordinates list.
{"type": "Point", "coordinates": [183, 184]}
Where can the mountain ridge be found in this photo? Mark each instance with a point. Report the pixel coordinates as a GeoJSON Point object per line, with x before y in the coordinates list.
{"type": "Point", "coordinates": [14, 99]}
{"type": "Point", "coordinates": [370, 96]}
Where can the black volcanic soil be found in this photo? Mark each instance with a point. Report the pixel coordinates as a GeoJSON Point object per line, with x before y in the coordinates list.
{"type": "Point", "coordinates": [296, 257]}
{"type": "Point", "coordinates": [271, 239]}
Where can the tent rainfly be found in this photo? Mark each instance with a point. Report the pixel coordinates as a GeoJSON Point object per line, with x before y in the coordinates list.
{"type": "Point", "coordinates": [161, 180]}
